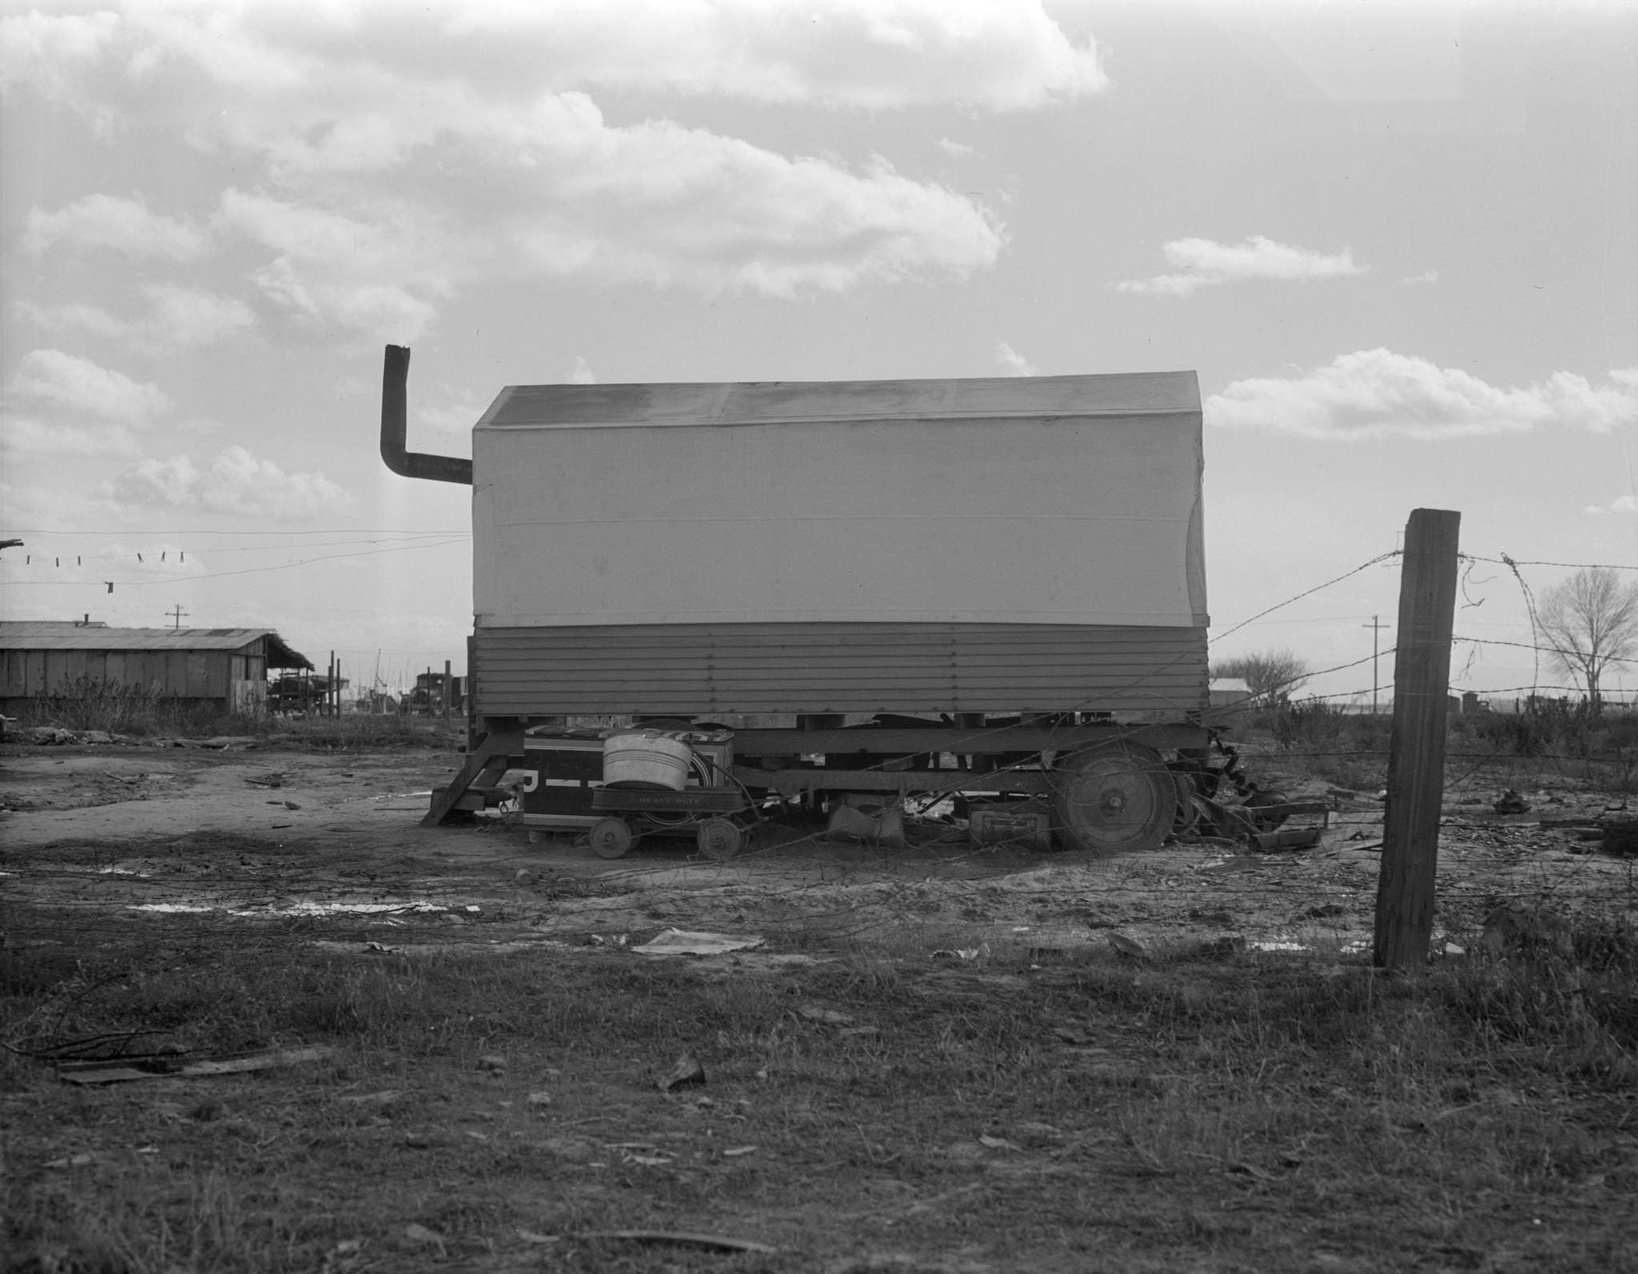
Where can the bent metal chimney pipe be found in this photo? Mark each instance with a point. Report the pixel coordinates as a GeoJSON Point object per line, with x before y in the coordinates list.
{"type": "Point", "coordinates": [394, 428]}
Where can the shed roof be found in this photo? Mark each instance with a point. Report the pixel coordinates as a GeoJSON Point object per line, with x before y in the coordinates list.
{"type": "Point", "coordinates": [775, 402]}
{"type": "Point", "coordinates": [52, 634]}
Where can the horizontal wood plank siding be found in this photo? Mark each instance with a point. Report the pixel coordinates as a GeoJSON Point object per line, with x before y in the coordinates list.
{"type": "Point", "coordinates": [700, 669]}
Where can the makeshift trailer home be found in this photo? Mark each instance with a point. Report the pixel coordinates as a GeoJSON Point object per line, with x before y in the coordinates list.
{"type": "Point", "coordinates": [988, 586]}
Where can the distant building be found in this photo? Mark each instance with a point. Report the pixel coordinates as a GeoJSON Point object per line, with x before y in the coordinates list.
{"type": "Point", "coordinates": [1229, 692]}
{"type": "Point", "coordinates": [224, 669]}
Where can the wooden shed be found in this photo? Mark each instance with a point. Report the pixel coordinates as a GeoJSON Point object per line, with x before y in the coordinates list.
{"type": "Point", "coordinates": [221, 668]}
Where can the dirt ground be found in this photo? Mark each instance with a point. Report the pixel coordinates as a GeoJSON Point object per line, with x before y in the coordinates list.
{"type": "Point", "coordinates": [364, 860]}
{"type": "Point", "coordinates": [324, 849]}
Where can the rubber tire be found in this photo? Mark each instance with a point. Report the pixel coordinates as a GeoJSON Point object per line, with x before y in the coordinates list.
{"type": "Point", "coordinates": [719, 839]}
{"type": "Point", "coordinates": [611, 838]}
{"type": "Point", "coordinates": [1114, 799]}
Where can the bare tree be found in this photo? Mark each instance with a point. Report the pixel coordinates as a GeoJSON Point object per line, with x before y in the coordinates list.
{"type": "Point", "coordinates": [1271, 675]}
{"type": "Point", "coordinates": [1589, 620]}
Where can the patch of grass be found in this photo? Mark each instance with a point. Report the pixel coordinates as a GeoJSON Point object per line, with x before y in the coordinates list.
{"type": "Point", "coordinates": [498, 1110]}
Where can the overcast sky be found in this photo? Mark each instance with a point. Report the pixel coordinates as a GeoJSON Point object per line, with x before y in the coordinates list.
{"type": "Point", "coordinates": [1396, 241]}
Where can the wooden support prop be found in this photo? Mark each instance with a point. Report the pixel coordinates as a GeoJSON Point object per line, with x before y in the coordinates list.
{"type": "Point", "coordinates": [1416, 751]}
{"type": "Point", "coordinates": [483, 767]}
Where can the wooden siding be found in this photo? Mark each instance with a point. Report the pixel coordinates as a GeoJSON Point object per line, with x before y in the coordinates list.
{"type": "Point", "coordinates": [701, 669]}
{"type": "Point", "coordinates": [183, 674]}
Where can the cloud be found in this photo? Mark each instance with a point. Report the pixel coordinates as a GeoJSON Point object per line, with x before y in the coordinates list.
{"type": "Point", "coordinates": [29, 435]}
{"type": "Point", "coordinates": [176, 318]}
{"type": "Point", "coordinates": [52, 52]}
{"type": "Point", "coordinates": [1427, 276]}
{"type": "Point", "coordinates": [189, 317]}
{"type": "Point", "coordinates": [1206, 263]}
{"type": "Point", "coordinates": [1013, 362]}
{"type": "Point", "coordinates": [79, 385]}
{"type": "Point", "coordinates": [235, 483]}
{"type": "Point", "coordinates": [991, 55]}
{"type": "Point", "coordinates": [1627, 504]}
{"type": "Point", "coordinates": [378, 184]}
{"type": "Point", "coordinates": [1377, 393]}
{"type": "Point", "coordinates": [954, 149]}
{"type": "Point", "coordinates": [653, 203]}
{"type": "Point", "coordinates": [119, 224]}
{"type": "Point", "coordinates": [456, 416]}
{"type": "Point", "coordinates": [582, 373]}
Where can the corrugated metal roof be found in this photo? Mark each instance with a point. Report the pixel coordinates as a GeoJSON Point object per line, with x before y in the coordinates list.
{"type": "Point", "coordinates": [51, 634]}
{"type": "Point", "coordinates": [774, 402]}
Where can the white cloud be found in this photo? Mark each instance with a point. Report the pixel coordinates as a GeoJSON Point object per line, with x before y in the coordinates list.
{"type": "Point", "coordinates": [189, 317]}
{"type": "Point", "coordinates": [582, 373]}
{"type": "Point", "coordinates": [1202, 263]}
{"type": "Point", "coordinates": [456, 416]}
{"type": "Point", "coordinates": [1377, 393]}
{"type": "Point", "coordinates": [80, 385]}
{"type": "Point", "coordinates": [1627, 504]}
{"type": "Point", "coordinates": [90, 320]}
{"type": "Point", "coordinates": [379, 184]}
{"type": "Point", "coordinates": [1014, 363]}
{"type": "Point", "coordinates": [120, 224]}
{"type": "Point", "coordinates": [176, 318]}
{"type": "Point", "coordinates": [954, 149]}
{"type": "Point", "coordinates": [993, 55]}
{"type": "Point", "coordinates": [29, 435]}
{"type": "Point", "coordinates": [52, 52]}
{"type": "Point", "coordinates": [1413, 280]}
{"type": "Point", "coordinates": [236, 483]}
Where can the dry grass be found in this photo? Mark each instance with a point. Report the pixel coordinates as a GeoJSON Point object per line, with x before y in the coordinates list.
{"type": "Point", "coordinates": [873, 1112]}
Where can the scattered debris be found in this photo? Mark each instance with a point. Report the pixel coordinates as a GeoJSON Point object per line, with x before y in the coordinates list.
{"type": "Point", "coordinates": [714, 1242]}
{"type": "Point", "coordinates": [1510, 802]}
{"type": "Point", "coordinates": [115, 1071]}
{"type": "Point", "coordinates": [687, 1070]}
{"type": "Point", "coordinates": [674, 942]}
{"type": "Point", "coordinates": [1287, 838]}
{"type": "Point", "coordinates": [430, 1238]}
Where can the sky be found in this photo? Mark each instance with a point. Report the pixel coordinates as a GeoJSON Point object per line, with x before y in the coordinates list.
{"type": "Point", "coordinates": [1396, 242]}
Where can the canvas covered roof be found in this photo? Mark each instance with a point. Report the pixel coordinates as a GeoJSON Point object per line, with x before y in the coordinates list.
{"type": "Point", "coordinates": [50, 634]}
{"type": "Point", "coordinates": [772, 402]}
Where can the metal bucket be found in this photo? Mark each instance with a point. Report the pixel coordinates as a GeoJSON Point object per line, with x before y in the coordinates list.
{"type": "Point", "coordinates": [646, 758]}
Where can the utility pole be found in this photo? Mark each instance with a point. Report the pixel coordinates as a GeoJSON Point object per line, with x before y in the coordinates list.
{"type": "Point", "coordinates": [1416, 750]}
{"type": "Point", "coordinates": [176, 613]}
{"type": "Point", "coordinates": [1376, 625]}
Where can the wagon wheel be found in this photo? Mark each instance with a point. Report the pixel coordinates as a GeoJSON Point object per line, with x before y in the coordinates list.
{"type": "Point", "coordinates": [719, 839]}
{"type": "Point", "coordinates": [1115, 798]}
{"type": "Point", "coordinates": [611, 838]}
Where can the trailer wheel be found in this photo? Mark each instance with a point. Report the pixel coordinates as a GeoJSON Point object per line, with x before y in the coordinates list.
{"type": "Point", "coordinates": [611, 838]}
{"type": "Point", "coordinates": [719, 839]}
{"type": "Point", "coordinates": [1115, 799]}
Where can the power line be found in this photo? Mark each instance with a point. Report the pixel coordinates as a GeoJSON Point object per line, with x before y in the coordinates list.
{"type": "Point", "coordinates": [1380, 557]}
{"type": "Point", "coordinates": [248, 570]}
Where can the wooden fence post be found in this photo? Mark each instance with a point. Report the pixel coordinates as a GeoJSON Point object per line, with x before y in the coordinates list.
{"type": "Point", "coordinates": [1416, 751]}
